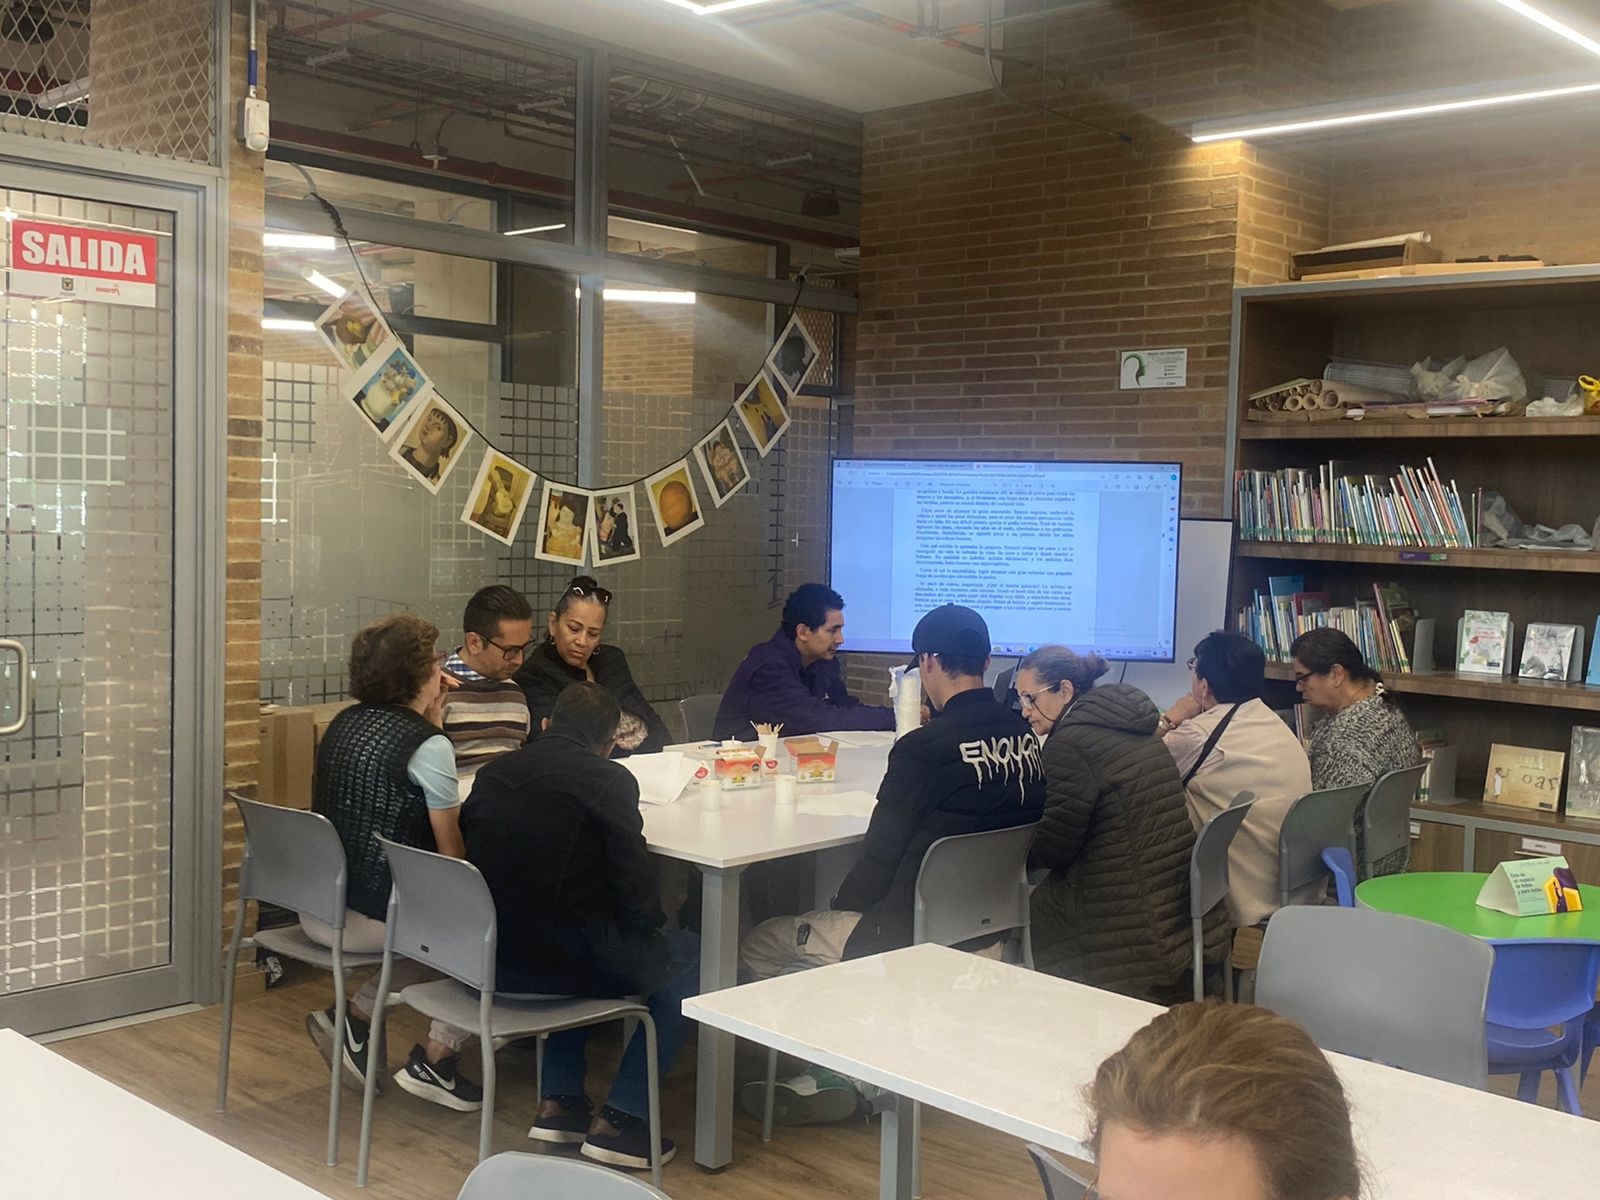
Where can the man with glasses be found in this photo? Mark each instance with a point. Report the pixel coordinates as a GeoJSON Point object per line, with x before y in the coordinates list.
{"type": "Point", "coordinates": [486, 714]}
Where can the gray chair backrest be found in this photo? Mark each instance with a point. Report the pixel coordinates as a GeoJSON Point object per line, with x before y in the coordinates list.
{"type": "Point", "coordinates": [1208, 863]}
{"type": "Point", "coordinates": [441, 914]}
{"type": "Point", "coordinates": [1377, 985]}
{"type": "Point", "coordinates": [699, 715]}
{"type": "Point", "coordinates": [517, 1176]}
{"type": "Point", "coordinates": [1313, 823]}
{"type": "Point", "coordinates": [973, 884]}
{"type": "Point", "coordinates": [1059, 1182]}
{"type": "Point", "coordinates": [1003, 683]}
{"type": "Point", "coordinates": [1386, 817]}
{"type": "Point", "coordinates": [292, 859]}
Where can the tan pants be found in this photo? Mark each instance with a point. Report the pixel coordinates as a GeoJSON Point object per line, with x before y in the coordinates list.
{"type": "Point", "coordinates": [785, 944]}
{"type": "Point", "coordinates": [363, 935]}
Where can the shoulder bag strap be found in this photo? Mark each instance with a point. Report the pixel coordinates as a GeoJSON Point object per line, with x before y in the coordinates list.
{"type": "Point", "coordinates": [1211, 744]}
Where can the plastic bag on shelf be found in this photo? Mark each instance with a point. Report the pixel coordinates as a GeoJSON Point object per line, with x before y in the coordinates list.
{"type": "Point", "coordinates": [1492, 383]}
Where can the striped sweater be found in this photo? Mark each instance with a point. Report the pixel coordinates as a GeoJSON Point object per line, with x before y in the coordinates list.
{"type": "Point", "coordinates": [483, 718]}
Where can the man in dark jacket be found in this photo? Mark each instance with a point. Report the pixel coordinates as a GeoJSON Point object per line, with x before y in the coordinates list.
{"type": "Point", "coordinates": [793, 678]}
{"type": "Point", "coordinates": [974, 767]}
{"type": "Point", "coordinates": [556, 831]}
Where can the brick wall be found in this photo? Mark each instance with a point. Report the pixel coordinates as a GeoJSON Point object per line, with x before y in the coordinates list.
{"type": "Point", "coordinates": [649, 348]}
{"type": "Point", "coordinates": [150, 77]}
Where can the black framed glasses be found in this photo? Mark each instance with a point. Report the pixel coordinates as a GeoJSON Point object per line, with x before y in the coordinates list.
{"type": "Point", "coordinates": [603, 595]}
{"type": "Point", "coordinates": [1031, 699]}
{"type": "Point", "coordinates": [511, 652]}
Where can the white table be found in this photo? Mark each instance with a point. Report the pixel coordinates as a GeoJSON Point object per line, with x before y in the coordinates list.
{"type": "Point", "coordinates": [1012, 1049]}
{"type": "Point", "coordinates": [722, 833]}
{"type": "Point", "coordinates": [67, 1134]}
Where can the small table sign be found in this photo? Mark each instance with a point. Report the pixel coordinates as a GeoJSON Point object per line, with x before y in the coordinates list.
{"type": "Point", "coordinates": [1532, 887]}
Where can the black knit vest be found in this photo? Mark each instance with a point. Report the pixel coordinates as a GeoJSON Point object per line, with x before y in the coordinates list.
{"type": "Point", "coordinates": [363, 788]}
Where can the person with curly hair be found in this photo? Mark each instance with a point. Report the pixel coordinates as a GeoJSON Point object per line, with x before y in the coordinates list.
{"type": "Point", "coordinates": [385, 767]}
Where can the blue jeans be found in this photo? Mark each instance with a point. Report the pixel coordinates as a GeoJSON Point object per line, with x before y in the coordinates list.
{"type": "Point", "coordinates": [564, 1064]}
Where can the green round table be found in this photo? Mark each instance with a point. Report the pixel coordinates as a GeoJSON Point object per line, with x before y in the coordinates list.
{"type": "Point", "coordinates": [1449, 898]}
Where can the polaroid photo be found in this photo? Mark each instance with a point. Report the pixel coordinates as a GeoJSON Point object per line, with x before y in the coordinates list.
{"type": "Point", "coordinates": [761, 410]}
{"type": "Point", "coordinates": [390, 391]}
{"type": "Point", "coordinates": [674, 503]}
{"type": "Point", "coordinates": [433, 443]}
{"type": "Point", "coordinates": [354, 330]}
{"type": "Point", "coordinates": [723, 463]}
{"type": "Point", "coordinates": [499, 496]}
{"type": "Point", "coordinates": [793, 357]}
{"type": "Point", "coordinates": [611, 531]}
{"type": "Point", "coordinates": [565, 513]}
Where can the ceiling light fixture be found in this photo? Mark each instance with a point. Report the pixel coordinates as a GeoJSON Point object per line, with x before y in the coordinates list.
{"type": "Point", "coordinates": [536, 229]}
{"type": "Point", "coordinates": [318, 279]}
{"type": "Point", "coordinates": [1311, 120]}
{"type": "Point", "coordinates": [288, 325]}
{"type": "Point", "coordinates": [712, 7]}
{"type": "Point", "coordinates": [649, 296]}
{"type": "Point", "coordinates": [298, 241]}
{"type": "Point", "coordinates": [1554, 26]}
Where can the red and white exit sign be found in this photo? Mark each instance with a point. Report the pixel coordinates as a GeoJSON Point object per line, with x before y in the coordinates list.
{"type": "Point", "coordinates": [80, 262]}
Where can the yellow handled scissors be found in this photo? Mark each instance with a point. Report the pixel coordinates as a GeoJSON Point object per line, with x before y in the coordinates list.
{"type": "Point", "coordinates": [1590, 387]}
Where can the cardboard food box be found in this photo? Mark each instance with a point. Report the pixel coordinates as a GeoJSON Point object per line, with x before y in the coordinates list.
{"type": "Point", "coordinates": [815, 761]}
{"type": "Point", "coordinates": [290, 736]}
{"type": "Point", "coordinates": [737, 767]}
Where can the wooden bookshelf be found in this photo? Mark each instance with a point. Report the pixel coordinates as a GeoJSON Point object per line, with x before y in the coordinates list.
{"type": "Point", "coordinates": [1548, 470]}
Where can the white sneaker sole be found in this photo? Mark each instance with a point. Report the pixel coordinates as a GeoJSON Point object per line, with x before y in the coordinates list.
{"type": "Point", "coordinates": [434, 1093]}
{"type": "Point", "coordinates": [556, 1137]}
{"type": "Point", "coordinates": [614, 1158]}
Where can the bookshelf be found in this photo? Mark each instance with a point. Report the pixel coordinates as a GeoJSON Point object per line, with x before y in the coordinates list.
{"type": "Point", "coordinates": [1548, 469]}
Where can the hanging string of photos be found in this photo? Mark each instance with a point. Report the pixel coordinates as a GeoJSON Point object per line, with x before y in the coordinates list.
{"type": "Point", "coordinates": [577, 526]}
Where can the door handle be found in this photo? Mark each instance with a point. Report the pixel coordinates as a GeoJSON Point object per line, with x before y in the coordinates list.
{"type": "Point", "coordinates": [24, 686]}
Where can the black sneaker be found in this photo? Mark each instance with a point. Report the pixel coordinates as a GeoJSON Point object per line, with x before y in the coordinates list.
{"type": "Point", "coordinates": [629, 1146]}
{"type": "Point", "coordinates": [567, 1127]}
{"type": "Point", "coordinates": [357, 1039]}
{"type": "Point", "coordinates": [440, 1082]}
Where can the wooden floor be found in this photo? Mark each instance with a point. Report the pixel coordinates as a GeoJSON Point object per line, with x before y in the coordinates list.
{"type": "Point", "coordinates": [278, 1114]}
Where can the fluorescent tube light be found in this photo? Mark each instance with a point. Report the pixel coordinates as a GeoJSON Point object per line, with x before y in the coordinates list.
{"type": "Point", "coordinates": [713, 7]}
{"type": "Point", "coordinates": [1554, 26]}
{"type": "Point", "coordinates": [298, 241]}
{"type": "Point", "coordinates": [536, 229]}
{"type": "Point", "coordinates": [646, 296]}
{"type": "Point", "coordinates": [318, 279]}
{"type": "Point", "coordinates": [288, 325]}
{"type": "Point", "coordinates": [1306, 120]}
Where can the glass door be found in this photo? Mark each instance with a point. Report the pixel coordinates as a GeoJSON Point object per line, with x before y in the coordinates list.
{"type": "Point", "coordinates": [97, 844]}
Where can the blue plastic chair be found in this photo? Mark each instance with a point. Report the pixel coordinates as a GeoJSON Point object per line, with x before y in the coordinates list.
{"type": "Point", "coordinates": [1540, 997]}
{"type": "Point", "coordinates": [1341, 865]}
{"type": "Point", "coordinates": [1591, 1039]}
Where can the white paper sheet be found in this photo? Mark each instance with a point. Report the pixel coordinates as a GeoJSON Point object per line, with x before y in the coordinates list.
{"type": "Point", "coordinates": [861, 739]}
{"type": "Point", "coordinates": [835, 804]}
{"type": "Point", "coordinates": [662, 777]}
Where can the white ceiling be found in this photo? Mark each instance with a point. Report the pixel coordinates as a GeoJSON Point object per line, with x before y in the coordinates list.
{"type": "Point", "coordinates": [809, 48]}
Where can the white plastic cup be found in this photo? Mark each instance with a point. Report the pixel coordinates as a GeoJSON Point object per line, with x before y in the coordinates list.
{"type": "Point", "coordinates": [785, 784]}
{"type": "Point", "coordinates": [769, 747]}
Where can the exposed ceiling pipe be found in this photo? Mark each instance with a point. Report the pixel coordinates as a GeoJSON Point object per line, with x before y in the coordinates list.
{"type": "Point", "coordinates": [362, 17]}
{"type": "Point", "coordinates": [687, 169]}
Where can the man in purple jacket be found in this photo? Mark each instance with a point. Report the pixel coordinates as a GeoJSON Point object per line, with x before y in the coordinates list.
{"type": "Point", "coordinates": [793, 678]}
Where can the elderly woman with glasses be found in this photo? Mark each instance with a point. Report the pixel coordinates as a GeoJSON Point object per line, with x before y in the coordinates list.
{"type": "Point", "coordinates": [572, 652]}
{"type": "Point", "coordinates": [1115, 838]}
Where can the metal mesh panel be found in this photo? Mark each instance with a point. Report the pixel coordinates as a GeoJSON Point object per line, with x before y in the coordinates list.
{"type": "Point", "coordinates": [85, 583]}
{"type": "Point", "coordinates": [131, 75]}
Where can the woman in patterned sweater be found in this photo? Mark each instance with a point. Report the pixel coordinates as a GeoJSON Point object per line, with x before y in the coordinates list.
{"type": "Point", "coordinates": [1363, 735]}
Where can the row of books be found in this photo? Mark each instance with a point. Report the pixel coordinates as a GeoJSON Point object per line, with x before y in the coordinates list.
{"type": "Point", "coordinates": [1384, 627]}
{"type": "Point", "coordinates": [1412, 506]}
{"type": "Point", "coordinates": [1486, 641]}
{"type": "Point", "coordinates": [1528, 777]}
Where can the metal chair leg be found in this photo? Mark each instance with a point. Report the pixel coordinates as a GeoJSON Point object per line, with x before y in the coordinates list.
{"type": "Point", "coordinates": [340, 1009]}
{"type": "Point", "coordinates": [770, 1096]}
{"type": "Point", "coordinates": [376, 1043]}
{"type": "Point", "coordinates": [486, 1046]}
{"type": "Point", "coordinates": [229, 969]}
{"type": "Point", "coordinates": [653, 1086]}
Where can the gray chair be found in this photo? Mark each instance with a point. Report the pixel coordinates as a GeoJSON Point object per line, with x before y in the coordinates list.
{"type": "Point", "coordinates": [295, 860]}
{"type": "Point", "coordinates": [442, 915]}
{"type": "Point", "coordinates": [1208, 883]}
{"type": "Point", "coordinates": [699, 715]}
{"type": "Point", "coordinates": [1059, 1183]}
{"type": "Point", "coordinates": [1313, 823]}
{"type": "Point", "coordinates": [1386, 816]}
{"type": "Point", "coordinates": [1400, 991]}
{"type": "Point", "coordinates": [517, 1176]}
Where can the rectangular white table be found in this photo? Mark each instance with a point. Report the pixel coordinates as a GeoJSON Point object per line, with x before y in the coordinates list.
{"type": "Point", "coordinates": [1013, 1049]}
{"type": "Point", "coordinates": [722, 833]}
{"type": "Point", "coordinates": [67, 1134]}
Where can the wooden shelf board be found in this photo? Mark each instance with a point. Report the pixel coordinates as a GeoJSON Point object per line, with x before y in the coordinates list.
{"type": "Point", "coordinates": [1478, 810]}
{"type": "Point", "coordinates": [1538, 692]}
{"type": "Point", "coordinates": [1439, 428]}
{"type": "Point", "coordinates": [1564, 562]}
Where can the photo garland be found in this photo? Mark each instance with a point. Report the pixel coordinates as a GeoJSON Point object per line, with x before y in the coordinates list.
{"type": "Point", "coordinates": [576, 526]}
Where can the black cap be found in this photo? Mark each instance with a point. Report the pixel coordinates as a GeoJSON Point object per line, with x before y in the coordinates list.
{"type": "Point", "coordinates": [950, 629]}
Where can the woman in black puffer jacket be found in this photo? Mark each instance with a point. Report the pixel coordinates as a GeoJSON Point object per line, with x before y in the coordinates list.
{"type": "Point", "coordinates": [1115, 838]}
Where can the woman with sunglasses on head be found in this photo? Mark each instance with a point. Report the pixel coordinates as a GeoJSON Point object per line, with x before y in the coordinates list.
{"type": "Point", "coordinates": [1115, 838]}
{"type": "Point", "coordinates": [572, 652]}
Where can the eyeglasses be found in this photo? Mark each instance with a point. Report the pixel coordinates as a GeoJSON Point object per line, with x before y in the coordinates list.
{"type": "Point", "coordinates": [511, 652]}
{"type": "Point", "coordinates": [1301, 676]}
{"type": "Point", "coordinates": [1031, 699]}
{"type": "Point", "coordinates": [1190, 663]}
{"type": "Point", "coordinates": [587, 593]}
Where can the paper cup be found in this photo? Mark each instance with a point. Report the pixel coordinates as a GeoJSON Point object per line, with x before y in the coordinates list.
{"type": "Point", "coordinates": [785, 788]}
{"type": "Point", "coordinates": [769, 746]}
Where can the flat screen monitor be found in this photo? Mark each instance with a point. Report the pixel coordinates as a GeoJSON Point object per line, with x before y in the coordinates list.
{"type": "Point", "coordinates": [1084, 554]}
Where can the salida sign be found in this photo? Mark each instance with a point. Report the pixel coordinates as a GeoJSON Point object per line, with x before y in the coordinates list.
{"type": "Point", "coordinates": [79, 262]}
